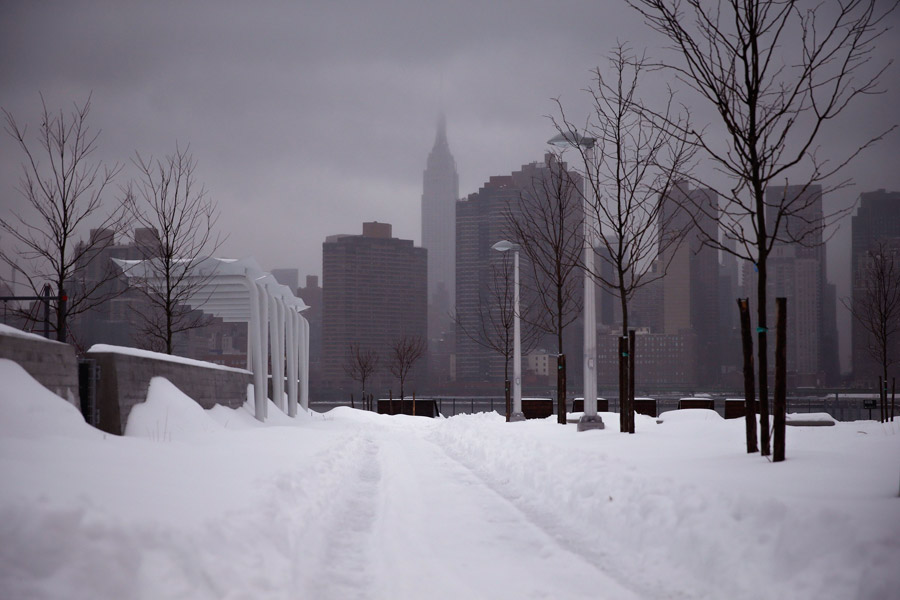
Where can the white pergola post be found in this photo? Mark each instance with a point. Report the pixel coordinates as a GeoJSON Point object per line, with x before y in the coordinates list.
{"type": "Point", "coordinates": [276, 341]}
{"type": "Point", "coordinates": [255, 334]}
{"type": "Point", "coordinates": [291, 346]}
{"type": "Point", "coordinates": [264, 345]}
{"type": "Point", "coordinates": [304, 364]}
{"type": "Point", "coordinates": [237, 290]}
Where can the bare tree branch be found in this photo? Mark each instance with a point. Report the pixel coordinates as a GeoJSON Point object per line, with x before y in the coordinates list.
{"type": "Point", "coordinates": [405, 352]}
{"type": "Point", "coordinates": [66, 191]}
{"type": "Point", "coordinates": [735, 55]}
{"type": "Point", "coordinates": [177, 219]}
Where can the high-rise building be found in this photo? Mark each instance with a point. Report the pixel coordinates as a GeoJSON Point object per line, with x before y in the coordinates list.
{"type": "Point", "coordinates": [440, 191]}
{"type": "Point", "coordinates": [877, 219]}
{"type": "Point", "coordinates": [797, 271]}
{"type": "Point", "coordinates": [481, 221]}
{"type": "Point", "coordinates": [311, 295]}
{"type": "Point", "coordinates": [691, 283]}
{"type": "Point", "coordinates": [374, 290]}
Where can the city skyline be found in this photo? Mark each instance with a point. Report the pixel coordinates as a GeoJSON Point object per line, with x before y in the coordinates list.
{"type": "Point", "coordinates": [311, 118]}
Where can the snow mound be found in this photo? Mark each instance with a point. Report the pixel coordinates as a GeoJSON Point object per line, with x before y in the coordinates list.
{"type": "Point", "coordinates": [689, 415]}
{"type": "Point", "coordinates": [169, 414]}
{"type": "Point", "coordinates": [28, 409]}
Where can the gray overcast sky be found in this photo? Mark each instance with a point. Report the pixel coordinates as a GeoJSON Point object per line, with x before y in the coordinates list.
{"type": "Point", "coordinates": [308, 118]}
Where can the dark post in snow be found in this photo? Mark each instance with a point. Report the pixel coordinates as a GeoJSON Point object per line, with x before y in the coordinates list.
{"type": "Point", "coordinates": [631, 344]}
{"type": "Point", "coordinates": [749, 382]}
{"type": "Point", "coordinates": [623, 384]}
{"type": "Point", "coordinates": [780, 396]}
{"type": "Point", "coordinates": [893, 395]}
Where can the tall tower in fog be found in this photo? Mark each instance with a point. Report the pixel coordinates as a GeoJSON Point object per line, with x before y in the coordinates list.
{"type": "Point", "coordinates": [440, 191]}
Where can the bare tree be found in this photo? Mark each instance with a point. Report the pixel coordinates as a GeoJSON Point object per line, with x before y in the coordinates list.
{"type": "Point", "coordinates": [360, 364]}
{"type": "Point", "coordinates": [877, 307]}
{"type": "Point", "coordinates": [640, 160]}
{"type": "Point", "coordinates": [64, 186]}
{"type": "Point", "coordinates": [496, 315]}
{"type": "Point", "coordinates": [178, 220]}
{"type": "Point", "coordinates": [546, 222]}
{"type": "Point", "coordinates": [405, 352]}
{"type": "Point", "coordinates": [777, 74]}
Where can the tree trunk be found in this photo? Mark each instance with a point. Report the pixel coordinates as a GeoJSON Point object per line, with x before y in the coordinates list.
{"type": "Point", "coordinates": [749, 391]}
{"type": "Point", "coordinates": [561, 383]}
{"type": "Point", "coordinates": [61, 316]}
{"type": "Point", "coordinates": [780, 376]}
{"type": "Point", "coordinates": [560, 380]}
{"type": "Point", "coordinates": [763, 358]}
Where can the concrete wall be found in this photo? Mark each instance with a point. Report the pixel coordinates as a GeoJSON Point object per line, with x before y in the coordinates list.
{"type": "Point", "coordinates": [52, 363]}
{"type": "Point", "coordinates": [125, 379]}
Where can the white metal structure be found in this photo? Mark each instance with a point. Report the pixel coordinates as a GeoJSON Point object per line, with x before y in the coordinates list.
{"type": "Point", "coordinates": [590, 420]}
{"type": "Point", "coordinates": [517, 414]}
{"type": "Point", "coordinates": [237, 290]}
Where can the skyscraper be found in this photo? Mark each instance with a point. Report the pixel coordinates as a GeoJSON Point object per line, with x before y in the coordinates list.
{"type": "Point", "coordinates": [373, 293]}
{"type": "Point", "coordinates": [876, 219]}
{"type": "Point", "coordinates": [797, 271]}
{"type": "Point", "coordinates": [691, 284]}
{"type": "Point", "coordinates": [481, 221]}
{"type": "Point", "coordinates": [440, 191]}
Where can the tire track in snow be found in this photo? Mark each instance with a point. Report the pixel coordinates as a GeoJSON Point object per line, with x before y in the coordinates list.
{"type": "Point", "coordinates": [342, 564]}
{"type": "Point", "coordinates": [556, 530]}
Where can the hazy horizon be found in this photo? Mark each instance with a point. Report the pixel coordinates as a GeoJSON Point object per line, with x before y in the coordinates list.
{"type": "Point", "coordinates": [307, 120]}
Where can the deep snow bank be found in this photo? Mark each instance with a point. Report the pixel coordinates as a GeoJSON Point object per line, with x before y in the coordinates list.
{"type": "Point", "coordinates": [681, 502]}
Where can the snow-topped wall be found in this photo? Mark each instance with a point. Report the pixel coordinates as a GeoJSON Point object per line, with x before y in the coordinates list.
{"type": "Point", "coordinates": [51, 363]}
{"type": "Point", "coordinates": [125, 375]}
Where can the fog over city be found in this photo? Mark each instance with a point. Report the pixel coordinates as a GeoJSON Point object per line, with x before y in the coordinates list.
{"type": "Point", "coordinates": [308, 119]}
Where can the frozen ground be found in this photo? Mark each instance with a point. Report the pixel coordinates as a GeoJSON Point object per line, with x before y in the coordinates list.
{"type": "Point", "coordinates": [211, 504]}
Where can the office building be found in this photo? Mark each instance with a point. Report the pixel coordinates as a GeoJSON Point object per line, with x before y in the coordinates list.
{"type": "Point", "coordinates": [374, 292]}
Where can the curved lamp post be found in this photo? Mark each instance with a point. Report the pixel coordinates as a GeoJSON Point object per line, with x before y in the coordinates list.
{"type": "Point", "coordinates": [590, 420]}
{"type": "Point", "coordinates": [517, 414]}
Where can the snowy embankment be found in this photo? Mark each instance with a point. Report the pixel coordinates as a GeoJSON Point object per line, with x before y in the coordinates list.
{"type": "Point", "coordinates": [212, 504]}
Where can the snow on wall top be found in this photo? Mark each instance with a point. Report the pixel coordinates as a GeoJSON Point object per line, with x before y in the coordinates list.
{"type": "Point", "coordinates": [14, 332]}
{"type": "Point", "coordinates": [160, 356]}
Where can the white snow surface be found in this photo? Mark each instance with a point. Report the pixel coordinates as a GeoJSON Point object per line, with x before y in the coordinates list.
{"type": "Point", "coordinates": [349, 504]}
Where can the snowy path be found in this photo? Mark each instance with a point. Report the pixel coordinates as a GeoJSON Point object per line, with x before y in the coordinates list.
{"type": "Point", "coordinates": [212, 505]}
{"type": "Point", "coordinates": [417, 524]}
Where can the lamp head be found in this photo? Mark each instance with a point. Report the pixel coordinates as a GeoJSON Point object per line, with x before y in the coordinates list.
{"type": "Point", "coordinates": [572, 138]}
{"type": "Point", "coordinates": [504, 245]}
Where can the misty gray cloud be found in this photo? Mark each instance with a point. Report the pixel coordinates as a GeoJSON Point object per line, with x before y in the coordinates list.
{"type": "Point", "coordinates": [308, 118]}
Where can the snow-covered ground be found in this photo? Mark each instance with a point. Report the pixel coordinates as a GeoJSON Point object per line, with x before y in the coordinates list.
{"type": "Point", "coordinates": [212, 504]}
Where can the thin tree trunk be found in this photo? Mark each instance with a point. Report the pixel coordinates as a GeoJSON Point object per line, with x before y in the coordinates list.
{"type": "Point", "coordinates": [506, 393]}
{"type": "Point", "coordinates": [749, 391]}
{"type": "Point", "coordinates": [763, 359]}
{"type": "Point", "coordinates": [561, 381]}
{"type": "Point", "coordinates": [780, 375]}
{"type": "Point", "coordinates": [561, 367]}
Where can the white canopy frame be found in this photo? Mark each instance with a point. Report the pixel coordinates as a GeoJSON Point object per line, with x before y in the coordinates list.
{"type": "Point", "coordinates": [238, 290]}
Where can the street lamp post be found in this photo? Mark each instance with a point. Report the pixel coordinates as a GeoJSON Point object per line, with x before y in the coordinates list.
{"type": "Point", "coordinates": [517, 414]}
{"type": "Point", "coordinates": [590, 419]}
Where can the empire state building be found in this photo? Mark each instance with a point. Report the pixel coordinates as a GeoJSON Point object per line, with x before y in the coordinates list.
{"type": "Point", "coordinates": [440, 191]}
